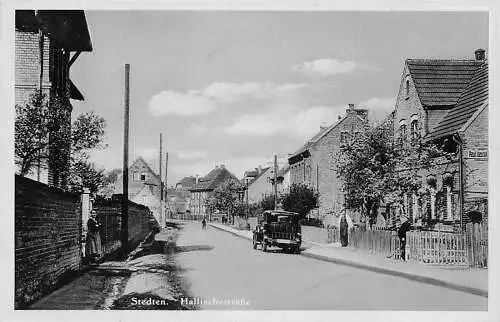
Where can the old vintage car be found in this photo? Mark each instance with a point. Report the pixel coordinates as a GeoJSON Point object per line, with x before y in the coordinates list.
{"type": "Point", "coordinates": [277, 228]}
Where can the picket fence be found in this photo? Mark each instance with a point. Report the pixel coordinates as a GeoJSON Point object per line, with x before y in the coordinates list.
{"type": "Point", "coordinates": [469, 248]}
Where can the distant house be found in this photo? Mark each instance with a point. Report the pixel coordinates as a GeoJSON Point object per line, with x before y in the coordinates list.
{"type": "Point", "coordinates": [204, 187]}
{"type": "Point", "coordinates": [259, 182]}
{"type": "Point", "coordinates": [313, 165]}
{"type": "Point", "coordinates": [179, 197]}
{"type": "Point", "coordinates": [261, 185]}
{"type": "Point", "coordinates": [446, 101]}
{"type": "Point", "coordinates": [144, 187]}
{"type": "Point", "coordinates": [47, 43]}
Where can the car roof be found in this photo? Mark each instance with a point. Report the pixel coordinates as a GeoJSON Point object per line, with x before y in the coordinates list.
{"type": "Point", "coordinates": [281, 213]}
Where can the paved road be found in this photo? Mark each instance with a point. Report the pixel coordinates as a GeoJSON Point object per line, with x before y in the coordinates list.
{"type": "Point", "coordinates": [223, 267]}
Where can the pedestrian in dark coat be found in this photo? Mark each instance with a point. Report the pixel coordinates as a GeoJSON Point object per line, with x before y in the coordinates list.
{"type": "Point", "coordinates": [405, 227]}
{"type": "Point", "coordinates": [93, 247]}
{"type": "Point", "coordinates": [344, 228]}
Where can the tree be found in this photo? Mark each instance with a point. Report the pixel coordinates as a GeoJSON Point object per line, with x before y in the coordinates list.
{"type": "Point", "coordinates": [42, 126]}
{"type": "Point", "coordinates": [225, 198]}
{"type": "Point", "coordinates": [85, 175]}
{"type": "Point", "coordinates": [300, 199]}
{"type": "Point", "coordinates": [376, 168]}
{"type": "Point", "coordinates": [31, 131]}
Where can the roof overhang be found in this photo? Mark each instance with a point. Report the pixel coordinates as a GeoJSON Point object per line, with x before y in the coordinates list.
{"type": "Point", "coordinates": [68, 28]}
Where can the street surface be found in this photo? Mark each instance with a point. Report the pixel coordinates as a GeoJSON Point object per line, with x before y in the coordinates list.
{"type": "Point", "coordinates": [221, 268]}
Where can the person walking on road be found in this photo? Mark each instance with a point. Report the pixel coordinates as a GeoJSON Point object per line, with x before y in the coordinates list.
{"type": "Point", "coordinates": [204, 223]}
{"type": "Point", "coordinates": [93, 247]}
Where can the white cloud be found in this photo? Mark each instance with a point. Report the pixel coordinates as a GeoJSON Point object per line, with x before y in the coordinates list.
{"type": "Point", "coordinates": [197, 128]}
{"type": "Point", "coordinates": [288, 120]}
{"type": "Point", "coordinates": [190, 104]}
{"type": "Point", "coordinates": [379, 108]}
{"type": "Point", "coordinates": [306, 123]}
{"type": "Point", "coordinates": [191, 155]}
{"type": "Point", "coordinates": [325, 67]}
{"type": "Point", "coordinates": [264, 124]}
{"type": "Point", "coordinates": [234, 92]}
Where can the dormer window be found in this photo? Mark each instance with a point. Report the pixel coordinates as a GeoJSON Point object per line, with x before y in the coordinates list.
{"type": "Point", "coordinates": [407, 86]}
{"type": "Point", "coordinates": [143, 176]}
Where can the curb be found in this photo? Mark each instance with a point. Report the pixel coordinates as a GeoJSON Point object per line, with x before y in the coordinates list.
{"type": "Point", "coordinates": [387, 271]}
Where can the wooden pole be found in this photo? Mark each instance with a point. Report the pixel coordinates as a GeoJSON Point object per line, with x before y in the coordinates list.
{"type": "Point", "coordinates": [126, 115]}
{"type": "Point", "coordinates": [275, 181]}
{"type": "Point", "coordinates": [160, 164]}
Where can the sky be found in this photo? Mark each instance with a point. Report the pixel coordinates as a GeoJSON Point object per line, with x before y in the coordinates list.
{"type": "Point", "coordinates": [237, 87]}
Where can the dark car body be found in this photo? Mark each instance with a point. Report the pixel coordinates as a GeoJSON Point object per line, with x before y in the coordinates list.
{"type": "Point", "coordinates": [277, 228]}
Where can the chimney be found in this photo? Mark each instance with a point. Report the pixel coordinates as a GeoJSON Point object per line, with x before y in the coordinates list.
{"type": "Point", "coordinates": [196, 179]}
{"type": "Point", "coordinates": [351, 106]}
{"type": "Point", "coordinates": [259, 169]}
{"type": "Point", "coordinates": [339, 117]}
{"type": "Point", "coordinates": [480, 54]}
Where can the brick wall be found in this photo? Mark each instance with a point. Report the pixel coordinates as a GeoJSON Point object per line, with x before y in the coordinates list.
{"type": "Point", "coordinates": [28, 64]}
{"type": "Point", "coordinates": [48, 235]}
{"type": "Point", "coordinates": [47, 238]}
{"type": "Point", "coordinates": [140, 223]}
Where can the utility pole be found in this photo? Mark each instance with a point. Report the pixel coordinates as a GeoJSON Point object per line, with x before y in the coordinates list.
{"type": "Point", "coordinates": [126, 115]}
{"type": "Point", "coordinates": [166, 186]}
{"type": "Point", "coordinates": [275, 181]}
{"type": "Point", "coordinates": [161, 208]}
{"type": "Point", "coordinates": [160, 164]}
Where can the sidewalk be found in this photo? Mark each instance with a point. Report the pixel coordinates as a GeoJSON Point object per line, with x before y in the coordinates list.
{"type": "Point", "coordinates": [474, 281]}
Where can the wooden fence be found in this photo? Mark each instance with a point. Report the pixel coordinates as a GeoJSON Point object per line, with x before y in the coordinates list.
{"type": "Point", "coordinates": [469, 248]}
{"type": "Point", "coordinates": [377, 241]}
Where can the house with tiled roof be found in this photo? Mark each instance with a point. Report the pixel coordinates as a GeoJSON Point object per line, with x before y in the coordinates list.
{"type": "Point", "coordinates": [312, 164]}
{"type": "Point", "coordinates": [144, 187]}
{"type": "Point", "coordinates": [445, 101]}
{"type": "Point", "coordinates": [204, 188]}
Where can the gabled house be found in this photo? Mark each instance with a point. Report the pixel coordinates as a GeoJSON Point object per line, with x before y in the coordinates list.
{"type": "Point", "coordinates": [204, 188]}
{"type": "Point", "coordinates": [144, 187]}
{"type": "Point", "coordinates": [260, 186]}
{"type": "Point", "coordinates": [445, 101]}
{"type": "Point", "coordinates": [47, 43]}
{"type": "Point", "coordinates": [259, 183]}
{"type": "Point", "coordinates": [313, 165]}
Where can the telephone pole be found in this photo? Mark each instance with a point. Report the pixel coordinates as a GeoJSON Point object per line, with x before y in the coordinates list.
{"type": "Point", "coordinates": [161, 208]}
{"type": "Point", "coordinates": [275, 181]}
{"type": "Point", "coordinates": [124, 217]}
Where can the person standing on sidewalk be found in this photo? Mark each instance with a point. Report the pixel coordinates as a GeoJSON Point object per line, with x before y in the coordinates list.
{"type": "Point", "coordinates": [344, 227]}
{"type": "Point", "coordinates": [405, 227]}
{"type": "Point", "coordinates": [93, 247]}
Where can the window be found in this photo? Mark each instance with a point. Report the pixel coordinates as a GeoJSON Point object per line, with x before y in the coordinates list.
{"type": "Point", "coordinates": [357, 136]}
{"type": "Point", "coordinates": [407, 86]}
{"type": "Point", "coordinates": [143, 176]}
{"type": "Point", "coordinates": [414, 129]}
{"type": "Point", "coordinates": [402, 130]}
{"type": "Point", "coordinates": [344, 137]}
